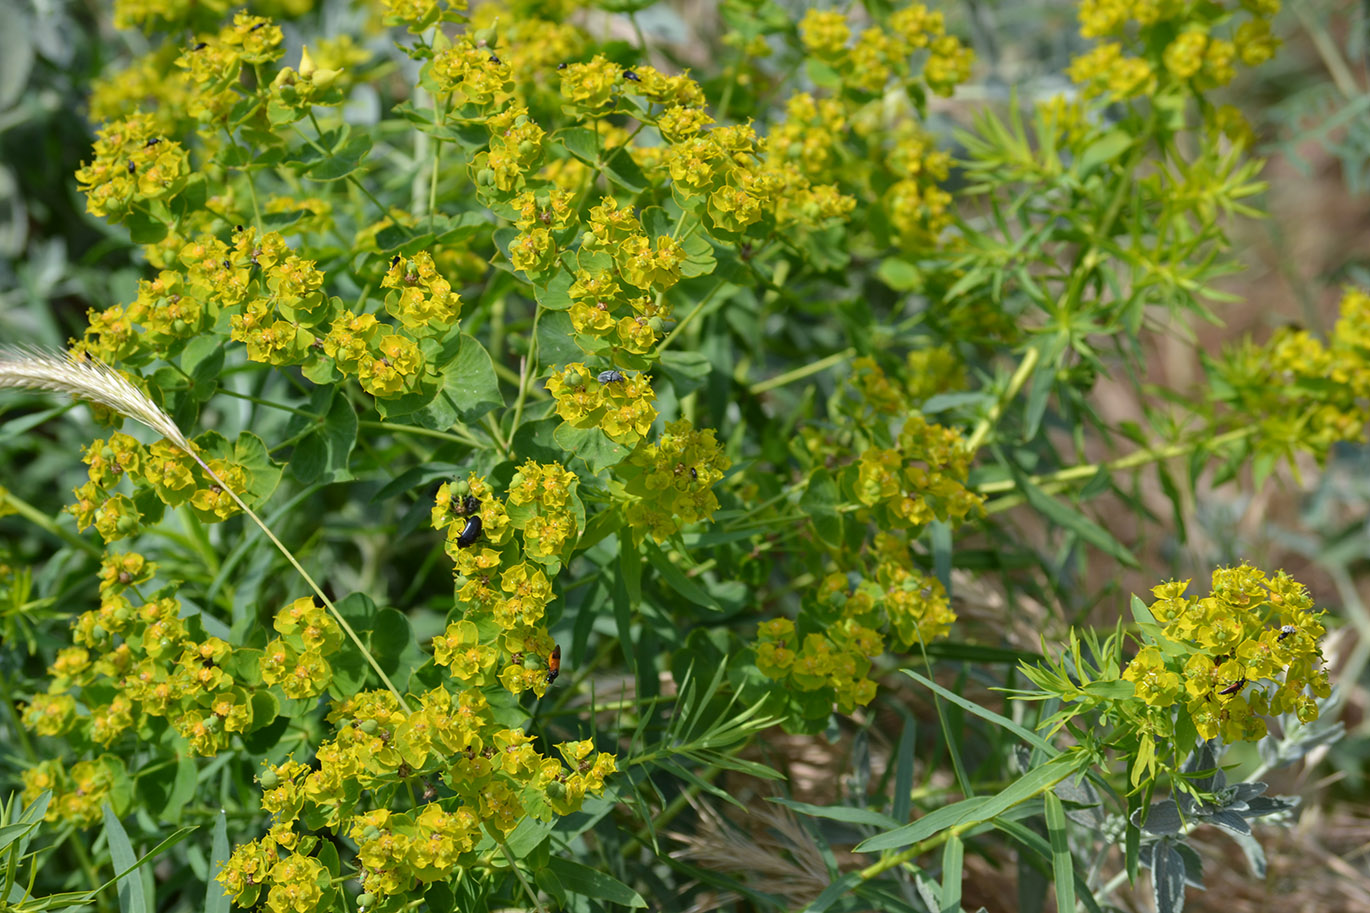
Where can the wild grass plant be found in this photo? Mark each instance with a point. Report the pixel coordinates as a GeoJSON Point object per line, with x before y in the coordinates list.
{"type": "Point", "coordinates": [599, 418]}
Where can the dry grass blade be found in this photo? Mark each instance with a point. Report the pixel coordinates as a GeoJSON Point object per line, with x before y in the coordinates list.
{"type": "Point", "coordinates": [89, 379]}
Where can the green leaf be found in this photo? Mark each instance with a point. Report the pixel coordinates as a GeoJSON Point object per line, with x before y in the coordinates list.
{"type": "Point", "coordinates": [620, 168]}
{"type": "Point", "coordinates": [588, 882]}
{"type": "Point", "coordinates": [132, 898]}
{"type": "Point", "coordinates": [470, 387]}
{"type": "Point", "coordinates": [216, 901]}
{"type": "Point", "coordinates": [676, 579]}
{"type": "Point", "coordinates": [581, 142]}
{"type": "Point", "coordinates": [842, 887]}
{"type": "Point", "coordinates": [899, 274]}
{"type": "Point", "coordinates": [845, 814]}
{"type": "Point", "coordinates": [341, 162]}
{"type": "Point", "coordinates": [1062, 863]}
{"type": "Point", "coordinates": [820, 500]}
{"type": "Point", "coordinates": [953, 859]}
{"type": "Point", "coordinates": [1167, 877]}
{"type": "Point", "coordinates": [980, 809]}
{"type": "Point", "coordinates": [555, 294]}
{"type": "Point", "coordinates": [687, 371]}
{"type": "Point", "coordinates": [591, 445]}
{"type": "Point", "coordinates": [1104, 149]}
{"type": "Point", "coordinates": [1074, 521]}
{"type": "Point", "coordinates": [984, 713]}
{"type": "Point", "coordinates": [394, 646]}
{"type": "Point", "coordinates": [557, 339]}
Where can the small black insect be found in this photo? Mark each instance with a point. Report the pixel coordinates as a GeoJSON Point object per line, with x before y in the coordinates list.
{"type": "Point", "coordinates": [257, 26]}
{"type": "Point", "coordinates": [1285, 631]}
{"type": "Point", "coordinates": [609, 377]}
{"type": "Point", "coordinates": [561, 66]}
{"type": "Point", "coordinates": [154, 141]}
{"type": "Point", "coordinates": [201, 46]}
{"type": "Point", "coordinates": [470, 532]}
{"type": "Point", "coordinates": [693, 474]}
{"type": "Point", "coordinates": [631, 76]}
{"type": "Point", "coordinates": [494, 59]}
{"type": "Point", "coordinates": [1234, 687]}
{"type": "Point", "coordinates": [395, 259]}
{"type": "Point", "coordinates": [132, 168]}
{"type": "Point", "coordinates": [468, 505]}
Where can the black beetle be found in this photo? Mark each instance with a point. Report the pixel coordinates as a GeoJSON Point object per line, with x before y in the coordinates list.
{"type": "Point", "coordinates": [470, 532]}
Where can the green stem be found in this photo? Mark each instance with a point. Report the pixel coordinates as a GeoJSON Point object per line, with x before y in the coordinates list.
{"type": "Point", "coordinates": [1015, 384]}
{"type": "Point", "coordinates": [1054, 481]}
{"type": "Point", "coordinates": [318, 591]}
{"type": "Point", "coordinates": [790, 377]}
{"type": "Point", "coordinates": [43, 521]}
{"type": "Point", "coordinates": [1087, 261]}
{"type": "Point", "coordinates": [459, 436]}
{"type": "Point", "coordinates": [941, 837]}
{"type": "Point", "coordinates": [694, 312]}
{"type": "Point", "coordinates": [518, 873]}
{"type": "Point", "coordinates": [527, 371]}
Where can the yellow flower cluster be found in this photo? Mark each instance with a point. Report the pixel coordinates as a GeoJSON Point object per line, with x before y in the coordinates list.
{"type": "Point", "coordinates": [134, 166]}
{"type": "Point", "coordinates": [1177, 41]}
{"type": "Point", "coordinates": [421, 300]}
{"type": "Point", "coordinates": [1248, 649]}
{"type": "Point", "coordinates": [78, 791]}
{"type": "Point", "coordinates": [670, 481]}
{"type": "Point", "coordinates": [619, 405]}
{"type": "Point", "coordinates": [134, 662]}
{"type": "Point", "coordinates": [504, 587]}
{"type": "Point", "coordinates": [170, 472]}
{"type": "Point", "coordinates": [492, 777]}
{"type": "Point", "coordinates": [878, 54]}
{"type": "Point", "coordinates": [1302, 394]}
{"type": "Point", "coordinates": [923, 478]}
{"type": "Point", "coordinates": [842, 629]}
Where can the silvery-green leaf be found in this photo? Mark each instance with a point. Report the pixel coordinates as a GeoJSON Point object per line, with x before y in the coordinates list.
{"type": "Point", "coordinates": [1229, 820]}
{"type": "Point", "coordinates": [1167, 878]}
{"type": "Point", "coordinates": [1269, 805]}
{"type": "Point", "coordinates": [1161, 818]}
{"type": "Point", "coordinates": [1255, 856]}
{"type": "Point", "coordinates": [1205, 757]}
{"type": "Point", "coordinates": [1193, 865]}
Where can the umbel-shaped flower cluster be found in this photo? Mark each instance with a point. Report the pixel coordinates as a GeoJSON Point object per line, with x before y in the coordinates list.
{"type": "Point", "coordinates": [852, 619]}
{"type": "Point", "coordinates": [138, 666]}
{"type": "Point", "coordinates": [1247, 650]}
{"type": "Point", "coordinates": [171, 477]}
{"type": "Point", "coordinates": [1181, 49]}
